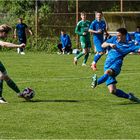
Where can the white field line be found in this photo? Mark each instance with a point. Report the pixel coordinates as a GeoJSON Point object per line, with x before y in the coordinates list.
{"type": "Point", "coordinates": [65, 78]}
{"type": "Point", "coordinates": [53, 79]}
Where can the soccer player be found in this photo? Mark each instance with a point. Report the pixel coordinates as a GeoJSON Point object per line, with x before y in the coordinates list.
{"type": "Point", "coordinates": [98, 28]}
{"type": "Point", "coordinates": [136, 36]}
{"type": "Point", "coordinates": [118, 48]}
{"type": "Point", "coordinates": [4, 29]}
{"type": "Point", "coordinates": [82, 30]}
{"type": "Point", "coordinates": [20, 31]}
{"type": "Point", "coordinates": [65, 46]}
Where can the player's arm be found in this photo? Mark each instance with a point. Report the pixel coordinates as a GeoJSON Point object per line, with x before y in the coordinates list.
{"type": "Point", "coordinates": [106, 44]}
{"type": "Point", "coordinates": [77, 30]}
{"type": "Point", "coordinates": [135, 49]}
{"type": "Point", "coordinates": [30, 31]}
{"type": "Point", "coordinates": [15, 33]}
{"type": "Point", "coordinates": [11, 45]}
{"type": "Point", "coordinates": [94, 31]}
{"type": "Point", "coordinates": [67, 40]}
{"type": "Point", "coordinates": [63, 43]}
{"type": "Point", "coordinates": [110, 43]}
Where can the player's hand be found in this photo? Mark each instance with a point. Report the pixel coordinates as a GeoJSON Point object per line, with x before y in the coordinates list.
{"type": "Point", "coordinates": [136, 43]}
{"type": "Point", "coordinates": [99, 31]}
{"type": "Point", "coordinates": [14, 36]}
{"type": "Point", "coordinates": [63, 49]}
{"type": "Point", "coordinates": [112, 45]}
{"type": "Point", "coordinates": [107, 34]}
{"type": "Point", "coordinates": [84, 33]}
{"type": "Point", "coordinates": [22, 45]}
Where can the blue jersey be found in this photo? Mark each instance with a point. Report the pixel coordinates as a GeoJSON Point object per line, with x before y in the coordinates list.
{"type": "Point", "coordinates": [128, 37]}
{"type": "Point", "coordinates": [98, 39]}
{"type": "Point", "coordinates": [65, 40]}
{"type": "Point", "coordinates": [21, 30]}
{"type": "Point", "coordinates": [136, 37]}
{"type": "Point", "coordinates": [120, 51]}
{"type": "Point", "coordinates": [115, 57]}
{"type": "Point", "coordinates": [98, 25]}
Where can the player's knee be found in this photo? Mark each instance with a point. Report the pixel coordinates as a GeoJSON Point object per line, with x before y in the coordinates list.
{"type": "Point", "coordinates": [112, 91]}
{"type": "Point", "coordinates": [101, 53]}
{"type": "Point", "coordinates": [84, 51]}
{"type": "Point", "coordinates": [109, 72]}
{"type": "Point", "coordinates": [5, 77]}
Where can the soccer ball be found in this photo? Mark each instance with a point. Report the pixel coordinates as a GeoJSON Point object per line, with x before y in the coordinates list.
{"type": "Point", "coordinates": [28, 93]}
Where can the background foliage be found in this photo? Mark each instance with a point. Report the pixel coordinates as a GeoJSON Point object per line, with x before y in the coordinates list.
{"type": "Point", "coordinates": [53, 15]}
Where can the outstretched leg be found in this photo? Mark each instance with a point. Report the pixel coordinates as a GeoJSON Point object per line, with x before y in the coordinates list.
{"type": "Point", "coordinates": [122, 94]}
{"type": "Point", "coordinates": [102, 79]}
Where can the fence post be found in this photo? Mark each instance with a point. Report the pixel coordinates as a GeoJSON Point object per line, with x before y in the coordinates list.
{"type": "Point", "coordinates": [36, 21]}
{"type": "Point", "coordinates": [77, 38]}
{"type": "Point", "coordinates": [121, 3]}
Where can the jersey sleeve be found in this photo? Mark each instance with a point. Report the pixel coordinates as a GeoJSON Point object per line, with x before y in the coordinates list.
{"type": "Point", "coordinates": [25, 25]}
{"type": "Point", "coordinates": [111, 40]}
{"type": "Point", "coordinates": [61, 38]}
{"type": "Point", "coordinates": [92, 26]}
{"type": "Point", "coordinates": [17, 26]}
{"type": "Point", "coordinates": [66, 41]}
{"type": "Point", "coordinates": [135, 49]}
{"type": "Point", "coordinates": [78, 30]}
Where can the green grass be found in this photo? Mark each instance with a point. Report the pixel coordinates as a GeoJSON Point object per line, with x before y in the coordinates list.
{"type": "Point", "coordinates": [65, 107]}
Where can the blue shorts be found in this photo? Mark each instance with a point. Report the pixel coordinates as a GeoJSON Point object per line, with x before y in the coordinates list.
{"type": "Point", "coordinates": [22, 40]}
{"type": "Point", "coordinates": [116, 67]}
{"type": "Point", "coordinates": [111, 80]}
{"type": "Point", "coordinates": [98, 46]}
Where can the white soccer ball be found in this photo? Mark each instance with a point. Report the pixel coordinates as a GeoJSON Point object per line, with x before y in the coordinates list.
{"type": "Point", "coordinates": [28, 93]}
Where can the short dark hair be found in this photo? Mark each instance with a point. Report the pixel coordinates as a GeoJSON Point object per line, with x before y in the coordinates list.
{"type": "Point", "coordinates": [20, 18]}
{"type": "Point", "coordinates": [83, 13]}
{"type": "Point", "coordinates": [123, 31]}
{"type": "Point", "coordinates": [5, 28]}
{"type": "Point", "coordinates": [138, 26]}
{"type": "Point", "coordinates": [99, 12]}
{"type": "Point", "coordinates": [62, 30]}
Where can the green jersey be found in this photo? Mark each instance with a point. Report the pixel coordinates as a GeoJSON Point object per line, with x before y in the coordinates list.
{"type": "Point", "coordinates": [83, 26]}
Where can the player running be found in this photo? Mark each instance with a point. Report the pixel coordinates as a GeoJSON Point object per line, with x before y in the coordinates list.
{"type": "Point", "coordinates": [118, 48]}
{"type": "Point", "coordinates": [136, 36]}
{"type": "Point", "coordinates": [98, 28]}
{"type": "Point", "coordinates": [4, 29]}
{"type": "Point", "coordinates": [82, 30]}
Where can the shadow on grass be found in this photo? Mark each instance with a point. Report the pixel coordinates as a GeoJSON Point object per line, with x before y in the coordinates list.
{"type": "Point", "coordinates": [78, 101]}
{"type": "Point", "coordinates": [39, 100]}
{"type": "Point", "coordinates": [127, 103]}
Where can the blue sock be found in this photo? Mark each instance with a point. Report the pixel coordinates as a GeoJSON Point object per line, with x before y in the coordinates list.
{"type": "Point", "coordinates": [97, 57]}
{"type": "Point", "coordinates": [121, 94]}
{"type": "Point", "coordinates": [102, 79]}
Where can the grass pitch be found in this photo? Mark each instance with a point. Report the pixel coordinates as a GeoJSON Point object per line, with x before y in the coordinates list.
{"type": "Point", "coordinates": [65, 107]}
